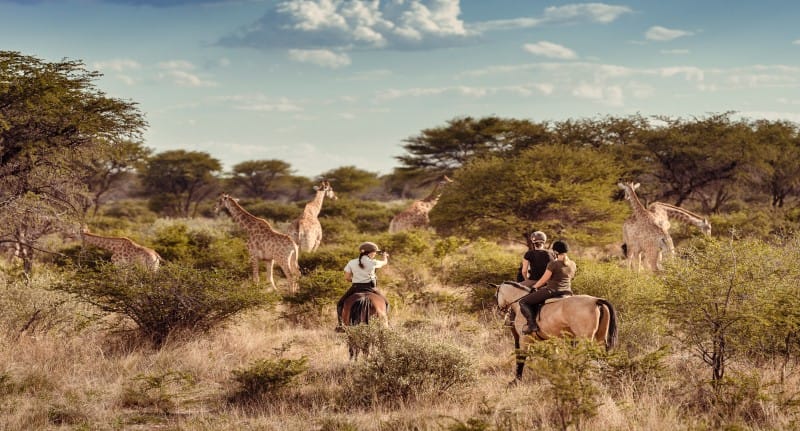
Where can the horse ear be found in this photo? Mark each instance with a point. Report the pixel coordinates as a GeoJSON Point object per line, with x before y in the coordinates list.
{"type": "Point", "coordinates": [493, 286]}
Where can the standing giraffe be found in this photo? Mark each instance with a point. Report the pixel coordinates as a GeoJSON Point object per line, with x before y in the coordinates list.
{"type": "Point", "coordinates": [664, 211]}
{"type": "Point", "coordinates": [642, 233]}
{"type": "Point", "coordinates": [306, 231]}
{"type": "Point", "coordinates": [416, 215]}
{"type": "Point", "coordinates": [263, 242]}
{"type": "Point", "coordinates": [123, 250]}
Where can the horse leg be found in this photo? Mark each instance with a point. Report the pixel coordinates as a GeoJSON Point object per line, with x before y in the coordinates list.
{"type": "Point", "coordinates": [520, 357]}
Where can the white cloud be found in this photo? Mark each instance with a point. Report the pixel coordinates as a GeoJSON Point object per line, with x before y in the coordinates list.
{"type": "Point", "coordinates": [663, 34]}
{"type": "Point", "coordinates": [185, 79]}
{"type": "Point", "coordinates": [607, 95]}
{"type": "Point", "coordinates": [466, 91]}
{"type": "Point", "coordinates": [690, 73]}
{"type": "Point", "coordinates": [597, 12]}
{"type": "Point", "coordinates": [772, 115]}
{"type": "Point", "coordinates": [675, 51]}
{"type": "Point", "coordinates": [176, 65]}
{"type": "Point", "coordinates": [355, 24]}
{"type": "Point", "coordinates": [127, 80]}
{"type": "Point", "coordinates": [320, 57]}
{"type": "Point", "coordinates": [117, 65]}
{"type": "Point", "coordinates": [551, 50]}
{"type": "Point", "coordinates": [796, 42]}
{"type": "Point", "coordinates": [592, 12]}
{"type": "Point", "coordinates": [262, 103]}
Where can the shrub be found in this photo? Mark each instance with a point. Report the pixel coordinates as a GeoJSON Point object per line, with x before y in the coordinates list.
{"type": "Point", "coordinates": [403, 367]}
{"type": "Point", "coordinates": [368, 216]}
{"type": "Point", "coordinates": [176, 297]}
{"type": "Point", "coordinates": [317, 289]}
{"type": "Point", "coordinates": [326, 258]}
{"type": "Point", "coordinates": [266, 376]}
{"type": "Point", "coordinates": [480, 263]}
{"type": "Point", "coordinates": [160, 391]}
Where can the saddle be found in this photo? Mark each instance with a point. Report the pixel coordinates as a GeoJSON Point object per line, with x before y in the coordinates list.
{"type": "Point", "coordinates": [556, 298]}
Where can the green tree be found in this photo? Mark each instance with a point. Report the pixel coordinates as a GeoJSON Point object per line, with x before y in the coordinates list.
{"type": "Point", "coordinates": [107, 166]}
{"type": "Point", "coordinates": [178, 180]}
{"type": "Point", "coordinates": [259, 178]}
{"type": "Point", "coordinates": [351, 180]}
{"type": "Point", "coordinates": [441, 150]}
{"type": "Point", "coordinates": [51, 114]}
{"type": "Point", "coordinates": [564, 190]}
{"type": "Point", "coordinates": [701, 158]}
{"type": "Point", "coordinates": [733, 298]}
{"type": "Point", "coordinates": [778, 172]}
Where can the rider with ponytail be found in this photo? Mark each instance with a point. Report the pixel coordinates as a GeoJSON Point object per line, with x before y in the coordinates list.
{"type": "Point", "coordinates": [361, 273]}
{"type": "Point", "coordinates": [556, 281]}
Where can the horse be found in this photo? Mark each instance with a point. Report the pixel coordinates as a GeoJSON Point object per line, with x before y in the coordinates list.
{"type": "Point", "coordinates": [358, 309]}
{"type": "Point", "coordinates": [580, 316]}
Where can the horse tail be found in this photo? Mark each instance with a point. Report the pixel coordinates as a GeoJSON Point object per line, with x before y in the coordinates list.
{"type": "Point", "coordinates": [359, 310]}
{"type": "Point", "coordinates": [608, 319]}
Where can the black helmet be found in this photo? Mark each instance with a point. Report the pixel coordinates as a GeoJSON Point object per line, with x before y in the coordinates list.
{"type": "Point", "coordinates": [560, 247]}
{"type": "Point", "coordinates": [538, 237]}
{"type": "Point", "coordinates": [368, 247]}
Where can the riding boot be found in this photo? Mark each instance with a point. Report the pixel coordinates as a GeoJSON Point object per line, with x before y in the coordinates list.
{"type": "Point", "coordinates": [530, 316]}
{"type": "Point", "coordinates": [340, 325]}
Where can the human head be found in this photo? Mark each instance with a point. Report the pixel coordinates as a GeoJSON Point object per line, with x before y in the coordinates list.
{"type": "Point", "coordinates": [538, 237]}
{"type": "Point", "coordinates": [368, 247]}
{"type": "Point", "coordinates": [560, 247]}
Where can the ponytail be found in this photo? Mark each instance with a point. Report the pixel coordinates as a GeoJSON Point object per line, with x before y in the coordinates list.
{"type": "Point", "coordinates": [361, 265]}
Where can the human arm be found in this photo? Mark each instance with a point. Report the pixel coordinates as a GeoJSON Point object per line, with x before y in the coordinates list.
{"type": "Point", "coordinates": [525, 269]}
{"type": "Point", "coordinates": [542, 281]}
{"type": "Point", "coordinates": [380, 263]}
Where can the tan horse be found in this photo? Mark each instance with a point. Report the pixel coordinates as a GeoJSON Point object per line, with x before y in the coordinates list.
{"type": "Point", "coordinates": [581, 316]}
{"type": "Point", "coordinates": [360, 308]}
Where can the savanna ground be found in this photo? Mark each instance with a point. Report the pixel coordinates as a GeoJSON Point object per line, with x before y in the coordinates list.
{"type": "Point", "coordinates": [445, 363]}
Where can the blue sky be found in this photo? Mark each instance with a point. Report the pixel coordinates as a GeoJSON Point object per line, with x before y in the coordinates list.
{"type": "Point", "coordinates": [327, 83]}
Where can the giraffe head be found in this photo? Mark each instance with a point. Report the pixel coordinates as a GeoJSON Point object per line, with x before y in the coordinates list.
{"type": "Point", "coordinates": [222, 202]}
{"type": "Point", "coordinates": [629, 188]}
{"type": "Point", "coordinates": [325, 186]}
{"type": "Point", "coordinates": [705, 227]}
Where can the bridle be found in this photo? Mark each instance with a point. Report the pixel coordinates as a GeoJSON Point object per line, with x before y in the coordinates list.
{"type": "Point", "coordinates": [515, 285]}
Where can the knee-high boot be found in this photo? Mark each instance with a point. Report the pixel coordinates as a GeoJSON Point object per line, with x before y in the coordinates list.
{"type": "Point", "coordinates": [530, 315]}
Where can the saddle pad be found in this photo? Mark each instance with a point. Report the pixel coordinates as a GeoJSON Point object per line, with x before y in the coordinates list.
{"type": "Point", "coordinates": [557, 298]}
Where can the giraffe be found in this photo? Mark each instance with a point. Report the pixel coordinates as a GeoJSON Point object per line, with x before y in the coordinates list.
{"type": "Point", "coordinates": [642, 233]}
{"type": "Point", "coordinates": [416, 215]}
{"type": "Point", "coordinates": [306, 231]}
{"type": "Point", "coordinates": [124, 251]}
{"type": "Point", "coordinates": [263, 242]}
{"type": "Point", "coordinates": [663, 211]}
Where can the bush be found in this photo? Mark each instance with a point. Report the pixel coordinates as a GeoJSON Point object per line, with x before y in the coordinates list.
{"type": "Point", "coordinates": [402, 367]}
{"type": "Point", "coordinates": [160, 391]}
{"type": "Point", "coordinates": [317, 289]}
{"type": "Point", "coordinates": [481, 263]}
{"type": "Point", "coordinates": [368, 216]}
{"type": "Point", "coordinates": [327, 258]}
{"type": "Point", "coordinates": [174, 298]}
{"type": "Point", "coordinates": [266, 376]}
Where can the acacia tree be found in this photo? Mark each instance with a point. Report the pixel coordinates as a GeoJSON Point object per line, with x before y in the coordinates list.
{"type": "Point", "coordinates": [259, 178]}
{"type": "Point", "coordinates": [778, 170]}
{"type": "Point", "coordinates": [351, 180]}
{"type": "Point", "coordinates": [699, 158]}
{"type": "Point", "coordinates": [564, 190]}
{"type": "Point", "coordinates": [177, 181]}
{"type": "Point", "coordinates": [50, 114]}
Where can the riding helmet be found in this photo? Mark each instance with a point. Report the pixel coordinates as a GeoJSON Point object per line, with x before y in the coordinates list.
{"type": "Point", "coordinates": [538, 236]}
{"type": "Point", "coordinates": [560, 247]}
{"type": "Point", "coordinates": [368, 247]}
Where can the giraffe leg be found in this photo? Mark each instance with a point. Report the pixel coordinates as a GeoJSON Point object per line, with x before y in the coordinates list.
{"type": "Point", "coordinates": [270, 265]}
{"type": "Point", "coordinates": [254, 265]}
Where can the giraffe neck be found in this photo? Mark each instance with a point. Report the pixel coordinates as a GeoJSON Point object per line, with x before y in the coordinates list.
{"type": "Point", "coordinates": [639, 211]}
{"type": "Point", "coordinates": [107, 243]}
{"type": "Point", "coordinates": [313, 207]}
{"type": "Point", "coordinates": [243, 218]}
{"type": "Point", "coordinates": [433, 197]}
{"type": "Point", "coordinates": [679, 213]}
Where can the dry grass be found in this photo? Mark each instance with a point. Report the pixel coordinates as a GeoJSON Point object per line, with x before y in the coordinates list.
{"type": "Point", "coordinates": [57, 377]}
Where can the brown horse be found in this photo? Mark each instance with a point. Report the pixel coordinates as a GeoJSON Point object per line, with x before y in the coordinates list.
{"type": "Point", "coordinates": [361, 308]}
{"type": "Point", "coordinates": [580, 316]}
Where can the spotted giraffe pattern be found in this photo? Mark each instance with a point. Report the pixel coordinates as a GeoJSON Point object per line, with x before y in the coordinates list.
{"type": "Point", "coordinates": [263, 242]}
{"type": "Point", "coordinates": [124, 251]}
{"type": "Point", "coordinates": [663, 211]}
{"type": "Point", "coordinates": [416, 215]}
{"type": "Point", "coordinates": [645, 238]}
{"type": "Point", "coordinates": [306, 230]}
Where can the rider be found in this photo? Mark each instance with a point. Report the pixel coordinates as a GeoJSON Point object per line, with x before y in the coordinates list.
{"type": "Point", "coordinates": [534, 262]}
{"type": "Point", "coordinates": [557, 281]}
{"type": "Point", "coordinates": [361, 273]}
